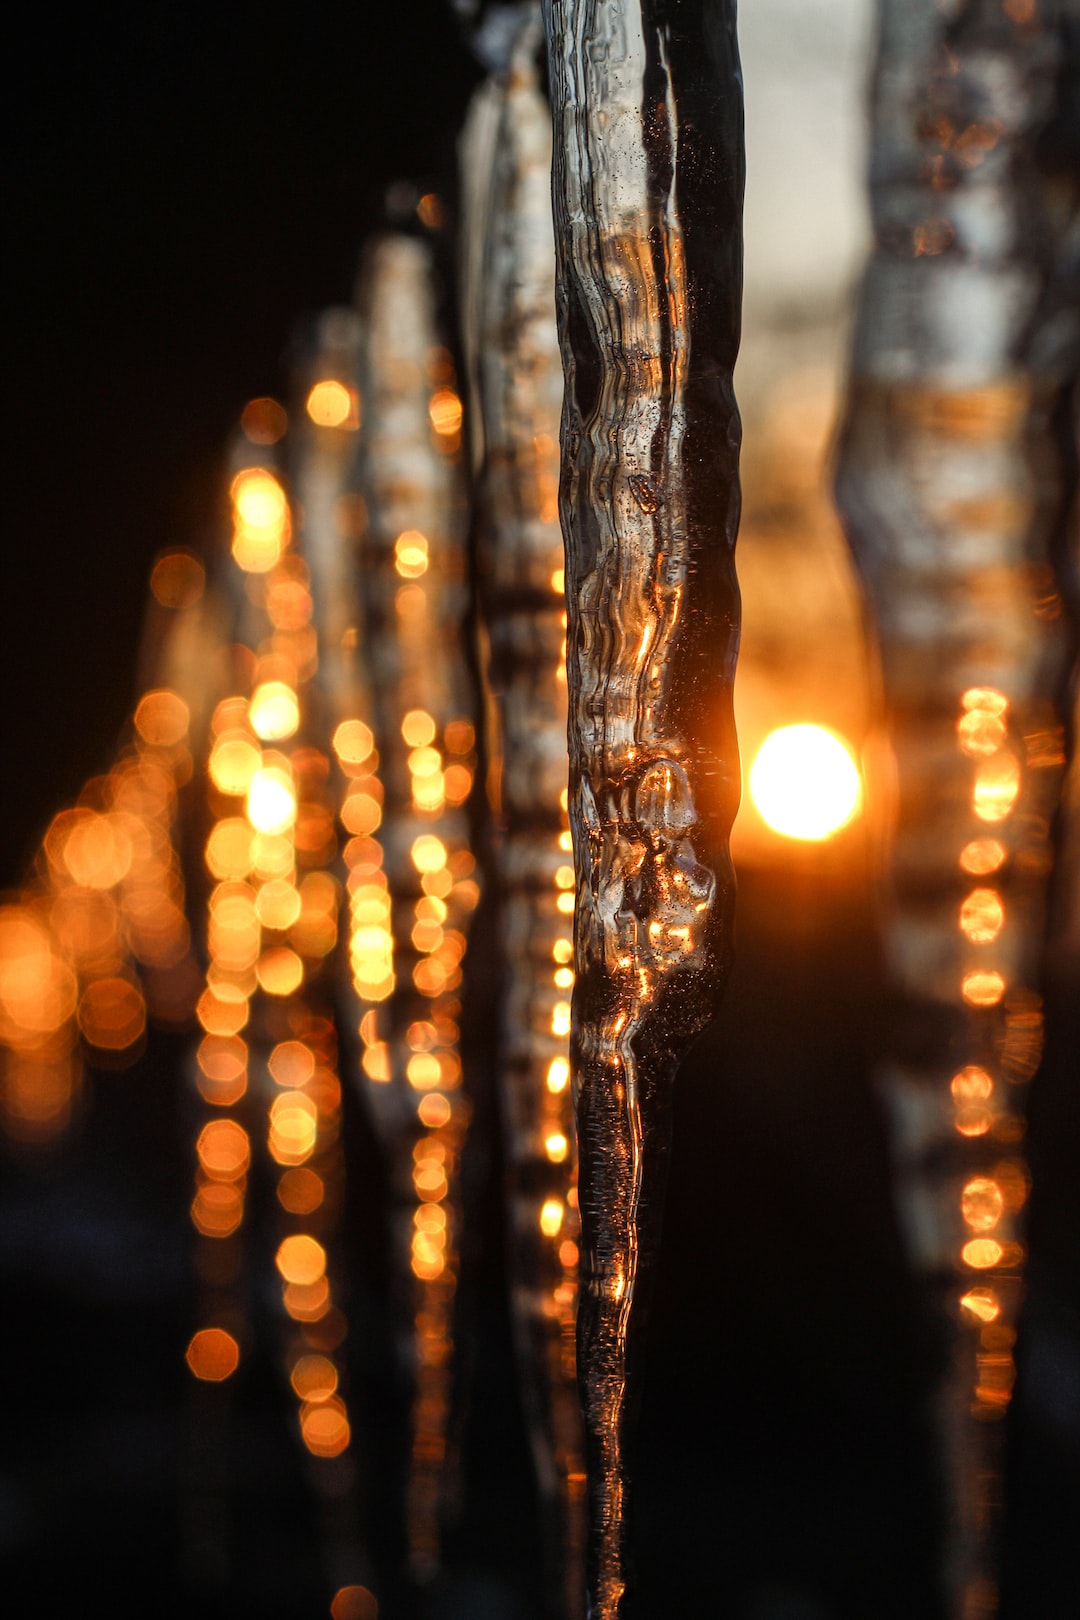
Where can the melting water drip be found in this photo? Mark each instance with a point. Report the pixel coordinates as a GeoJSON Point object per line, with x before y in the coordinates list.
{"type": "Point", "coordinates": [516, 378]}
{"type": "Point", "coordinates": [414, 601]}
{"type": "Point", "coordinates": [952, 486]}
{"type": "Point", "coordinates": [648, 312]}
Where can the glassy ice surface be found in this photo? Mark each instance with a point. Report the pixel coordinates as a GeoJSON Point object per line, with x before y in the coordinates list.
{"type": "Point", "coordinates": [509, 321]}
{"type": "Point", "coordinates": [647, 193]}
{"type": "Point", "coordinates": [953, 482]}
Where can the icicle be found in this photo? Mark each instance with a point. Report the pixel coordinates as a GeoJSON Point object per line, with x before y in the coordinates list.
{"type": "Point", "coordinates": [413, 581]}
{"type": "Point", "coordinates": [512, 350]}
{"type": "Point", "coordinates": [647, 195]}
{"type": "Point", "coordinates": [953, 484]}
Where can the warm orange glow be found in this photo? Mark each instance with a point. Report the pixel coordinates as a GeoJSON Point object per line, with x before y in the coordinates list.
{"type": "Point", "coordinates": [162, 718]}
{"type": "Point", "coordinates": [423, 1071]}
{"type": "Point", "coordinates": [95, 849]}
{"type": "Point", "coordinates": [271, 802]}
{"type": "Point", "coordinates": [428, 853]}
{"type": "Point", "coordinates": [277, 905]}
{"type": "Point", "coordinates": [263, 421]}
{"type": "Point", "coordinates": [224, 1150]}
{"type": "Point", "coordinates": [982, 1303]}
{"type": "Point", "coordinates": [37, 990]}
{"type": "Point", "coordinates": [429, 211]}
{"type": "Point", "coordinates": [177, 579]}
{"type": "Point", "coordinates": [331, 404]}
{"type": "Point", "coordinates": [325, 1427]}
{"type": "Point", "coordinates": [274, 712]}
{"type": "Point", "coordinates": [300, 1191]}
{"type": "Point", "coordinates": [560, 1018]}
{"type": "Point", "coordinates": [551, 1216]}
{"type": "Point", "coordinates": [262, 520]}
{"type": "Point", "coordinates": [112, 1014]}
{"type": "Point", "coordinates": [445, 411]}
{"type": "Point", "coordinates": [279, 971]}
{"type": "Point", "coordinates": [558, 1075]}
{"type": "Point", "coordinates": [361, 812]}
{"type": "Point", "coordinates": [418, 729]}
{"type": "Point", "coordinates": [222, 1009]}
{"type": "Point", "coordinates": [565, 903]}
{"type": "Point", "coordinates": [229, 848]}
{"type": "Point", "coordinates": [971, 1084]}
{"type": "Point", "coordinates": [411, 554]}
{"type": "Point", "coordinates": [556, 1146]}
{"type": "Point", "coordinates": [996, 788]}
{"type": "Point", "coordinates": [985, 698]}
{"type": "Point", "coordinates": [354, 1602]}
{"type": "Point", "coordinates": [300, 1259]}
{"type": "Point", "coordinates": [982, 856]}
{"type": "Point", "coordinates": [433, 1110]}
{"type": "Point", "coordinates": [982, 1253]}
{"type": "Point", "coordinates": [981, 916]}
{"type": "Point", "coordinates": [982, 1204]}
{"type": "Point", "coordinates": [564, 877]}
{"type": "Point", "coordinates": [568, 1254]}
{"type": "Point", "coordinates": [353, 742]}
{"type": "Point", "coordinates": [213, 1355]}
{"type": "Point", "coordinates": [460, 737]}
{"type": "Point", "coordinates": [292, 1064]}
{"type": "Point", "coordinates": [805, 783]}
{"type": "Point", "coordinates": [983, 989]}
{"type": "Point", "coordinates": [294, 1124]}
{"type": "Point", "coordinates": [218, 1209]}
{"type": "Point", "coordinates": [307, 1302]}
{"type": "Point", "coordinates": [234, 760]}
{"type": "Point", "coordinates": [314, 1378]}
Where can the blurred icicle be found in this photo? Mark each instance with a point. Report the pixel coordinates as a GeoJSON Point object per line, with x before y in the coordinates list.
{"type": "Point", "coordinates": [647, 187]}
{"type": "Point", "coordinates": [955, 473]}
{"type": "Point", "coordinates": [512, 352]}
{"type": "Point", "coordinates": [414, 602]}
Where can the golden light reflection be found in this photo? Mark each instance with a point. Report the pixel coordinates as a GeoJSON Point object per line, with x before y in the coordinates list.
{"type": "Point", "coordinates": [411, 554]}
{"type": "Point", "coordinates": [331, 404]}
{"type": "Point", "coordinates": [982, 916]}
{"type": "Point", "coordinates": [325, 1427]}
{"type": "Point", "coordinates": [213, 1355]}
{"type": "Point", "coordinates": [301, 1259]}
{"type": "Point", "coordinates": [353, 742]}
{"type": "Point", "coordinates": [162, 718]}
{"type": "Point", "coordinates": [261, 520]}
{"type": "Point", "coordinates": [805, 783]}
{"type": "Point", "coordinates": [983, 856]}
{"type": "Point", "coordinates": [983, 989]}
{"type": "Point", "coordinates": [314, 1378]}
{"type": "Point", "coordinates": [982, 1204]}
{"type": "Point", "coordinates": [274, 712]}
{"type": "Point", "coordinates": [271, 800]}
{"type": "Point", "coordinates": [224, 1150]}
{"type": "Point", "coordinates": [982, 1253]}
{"type": "Point", "coordinates": [446, 413]}
{"type": "Point", "coordinates": [982, 1303]}
{"type": "Point", "coordinates": [997, 785]}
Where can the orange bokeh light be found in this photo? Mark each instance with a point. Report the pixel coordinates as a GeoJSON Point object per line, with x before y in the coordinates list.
{"type": "Point", "coordinates": [213, 1355]}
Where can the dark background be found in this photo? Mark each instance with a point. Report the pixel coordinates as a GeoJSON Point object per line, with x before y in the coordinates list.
{"type": "Point", "coordinates": [188, 182]}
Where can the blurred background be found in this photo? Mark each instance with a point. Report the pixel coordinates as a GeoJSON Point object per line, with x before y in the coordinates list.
{"type": "Point", "coordinates": [189, 183]}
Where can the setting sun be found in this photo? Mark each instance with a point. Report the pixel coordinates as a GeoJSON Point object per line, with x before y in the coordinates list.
{"type": "Point", "coordinates": [805, 783]}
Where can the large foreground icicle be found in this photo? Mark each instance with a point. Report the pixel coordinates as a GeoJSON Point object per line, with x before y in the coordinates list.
{"type": "Point", "coordinates": [647, 190]}
{"type": "Point", "coordinates": [953, 482]}
{"type": "Point", "coordinates": [509, 321]}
